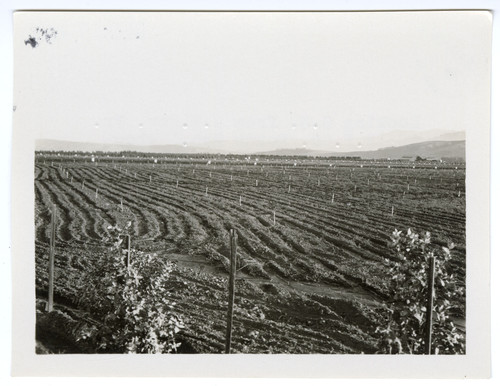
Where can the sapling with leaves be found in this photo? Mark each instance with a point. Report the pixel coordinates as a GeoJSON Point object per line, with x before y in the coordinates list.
{"type": "Point", "coordinates": [405, 317]}
{"type": "Point", "coordinates": [131, 304]}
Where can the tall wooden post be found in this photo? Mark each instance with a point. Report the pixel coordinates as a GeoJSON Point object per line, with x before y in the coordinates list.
{"type": "Point", "coordinates": [430, 306]}
{"type": "Point", "coordinates": [50, 304]}
{"type": "Point", "coordinates": [232, 274]}
{"type": "Point", "coordinates": [128, 251]}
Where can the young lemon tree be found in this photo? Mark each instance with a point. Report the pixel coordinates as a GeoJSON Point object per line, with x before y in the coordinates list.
{"type": "Point", "coordinates": [405, 320]}
{"type": "Point", "coordinates": [132, 303]}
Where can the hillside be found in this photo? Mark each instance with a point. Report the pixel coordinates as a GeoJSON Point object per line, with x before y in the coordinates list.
{"type": "Point", "coordinates": [430, 149]}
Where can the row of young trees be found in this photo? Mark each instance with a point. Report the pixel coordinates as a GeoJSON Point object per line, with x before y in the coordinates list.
{"type": "Point", "coordinates": [136, 314]}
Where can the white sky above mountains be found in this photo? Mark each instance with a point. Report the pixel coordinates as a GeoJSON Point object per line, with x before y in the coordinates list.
{"type": "Point", "coordinates": [316, 79]}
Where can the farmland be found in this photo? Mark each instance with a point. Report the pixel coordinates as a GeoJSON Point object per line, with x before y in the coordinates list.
{"type": "Point", "coordinates": [313, 239]}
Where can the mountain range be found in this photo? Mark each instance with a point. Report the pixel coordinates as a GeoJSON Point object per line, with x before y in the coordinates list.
{"type": "Point", "coordinates": [429, 149]}
{"type": "Point", "coordinates": [436, 144]}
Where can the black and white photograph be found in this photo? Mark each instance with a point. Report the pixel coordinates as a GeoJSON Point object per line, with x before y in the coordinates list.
{"type": "Point", "coordinates": [253, 182]}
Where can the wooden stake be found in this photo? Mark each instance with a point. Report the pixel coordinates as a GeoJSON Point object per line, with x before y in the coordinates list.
{"type": "Point", "coordinates": [232, 275]}
{"type": "Point", "coordinates": [50, 304]}
{"type": "Point", "coordinates": [392, 211]}
{"type": "Point", "coordinates": [127, 262]}
{"type": "Point", "coordinates": [96, 191]}
{"type": "Point", "coordinates": [274, 217]}
{"type": "Point", "coordinates": [430, 306]}
{"type": "Point", "coordinates": [333, 197]}
{"type": "Point", "coordinates": [240, 200]}
{"type": "Point", "coordinates": [289, 187]}
{"type": "Point", "coordinates": [256, 182]}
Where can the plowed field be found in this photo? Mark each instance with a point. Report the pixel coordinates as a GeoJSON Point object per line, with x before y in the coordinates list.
{"type": "Point", "coordinates": [312, 239]}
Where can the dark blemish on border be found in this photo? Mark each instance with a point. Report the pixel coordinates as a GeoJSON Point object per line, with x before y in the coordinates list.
{"type": "Point", "coordinates": [14, 108]}
{"type": "Point", "coordinates": [47, 34]}
{"type": "Point", "coordinates": [31, 41]}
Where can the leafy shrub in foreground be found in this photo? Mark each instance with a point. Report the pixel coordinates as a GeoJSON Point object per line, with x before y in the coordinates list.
{"type": "Point", "coordinates": [406, 317]}
{"type": "Point", "coordinates": [136, 315]}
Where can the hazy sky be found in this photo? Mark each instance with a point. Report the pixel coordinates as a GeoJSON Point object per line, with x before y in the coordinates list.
{"type": "Point", "coordinates": [317, 78]}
